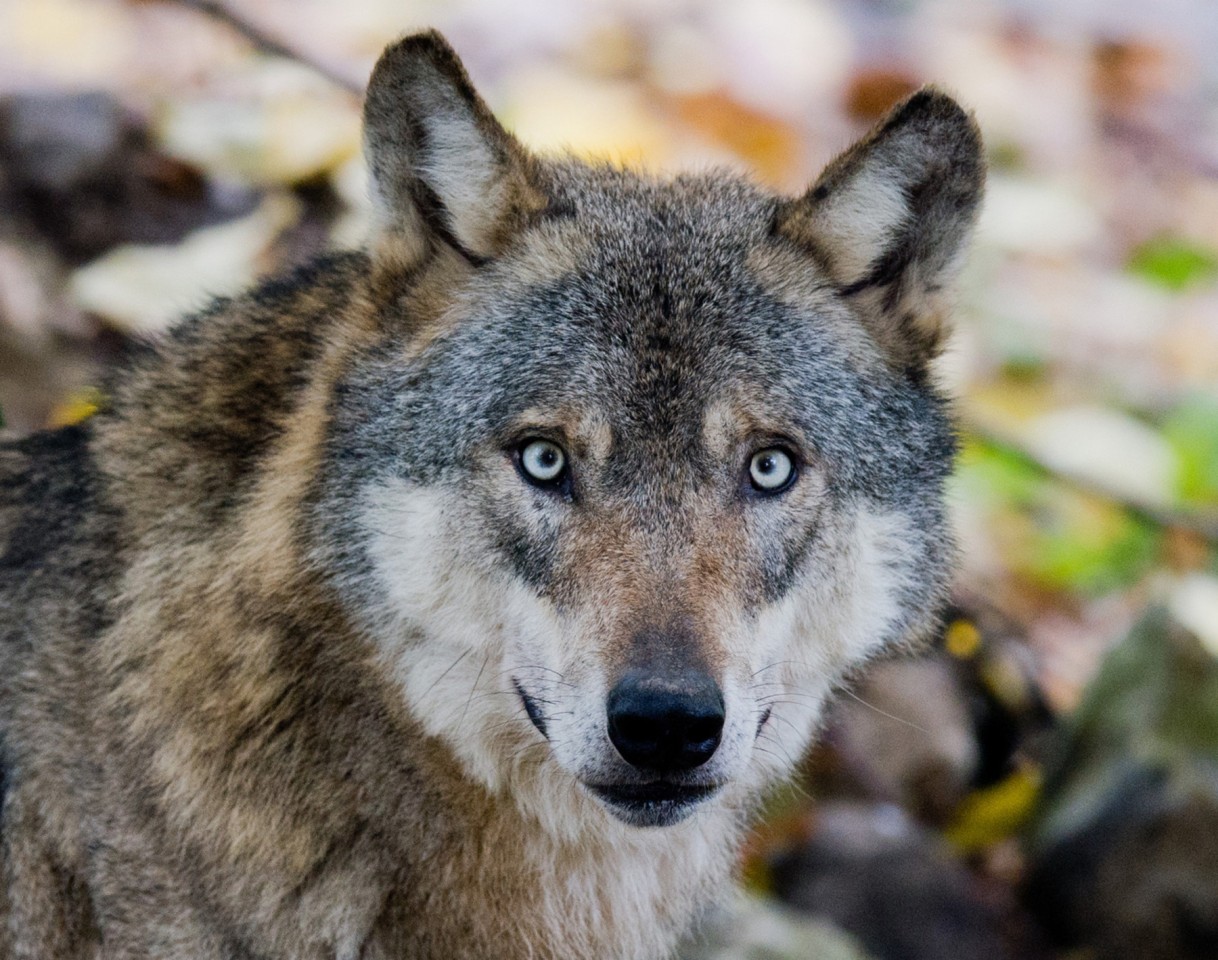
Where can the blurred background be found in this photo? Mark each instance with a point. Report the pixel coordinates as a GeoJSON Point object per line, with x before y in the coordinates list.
{"type": "Point", "coordinates": [1043, 782]}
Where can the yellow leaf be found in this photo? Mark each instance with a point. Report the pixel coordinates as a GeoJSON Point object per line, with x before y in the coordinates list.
{"type": "Point", "coordinates": [962, 639]}
{"type": "Point", "coordinates": [994, 813]}
{"type": "Point", "coordinates": [554, 110]}
{"type": "Point", "coordinates": [75, 408]}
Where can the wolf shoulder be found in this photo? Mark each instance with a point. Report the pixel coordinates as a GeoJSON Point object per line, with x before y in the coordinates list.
{"type": "Point", "coordinates": [190, 418]}
{"type": "Point", "coordinates": [57, 540]}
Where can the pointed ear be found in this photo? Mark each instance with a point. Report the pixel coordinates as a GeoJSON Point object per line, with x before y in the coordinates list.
{"type": "Point", "coordinates": [443, 168]}
{"type": "Point", "coordinates": [889, 220]}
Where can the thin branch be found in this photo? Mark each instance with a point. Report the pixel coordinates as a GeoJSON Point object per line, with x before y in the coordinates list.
{"type": "Point", "coordinates": [1200, 525]}
{"type": "Point", "coordinates": [266, 43]}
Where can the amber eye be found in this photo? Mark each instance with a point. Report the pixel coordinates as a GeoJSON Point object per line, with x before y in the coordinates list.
{"type": "Point", "coordinates": [543, 463]}
{"type": "Point", "coordinates": [771, 470]}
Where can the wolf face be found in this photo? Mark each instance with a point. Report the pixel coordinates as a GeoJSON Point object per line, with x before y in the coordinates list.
{"type": "Point", "coordinates": [640, 468]}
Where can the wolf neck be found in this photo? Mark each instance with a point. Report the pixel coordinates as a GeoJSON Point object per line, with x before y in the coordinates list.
{"type": "Point", "coordinates": [195, 416]}
{"type": "Point", "coordinates": [623, 893]}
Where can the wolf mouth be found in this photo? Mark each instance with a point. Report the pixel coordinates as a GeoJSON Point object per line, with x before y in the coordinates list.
{"type": "Point", "coordinates": [656, 804]}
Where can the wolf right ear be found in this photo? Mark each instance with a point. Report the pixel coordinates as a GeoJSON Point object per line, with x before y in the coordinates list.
{"type": "Point", "coordinates": [443, 168]}
{"type": "Point", "coordinates": [890, 218]}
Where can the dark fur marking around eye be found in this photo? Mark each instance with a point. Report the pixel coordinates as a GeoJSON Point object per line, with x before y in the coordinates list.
{"type": "Point", "coordinates": [533, 562]}
{"type": "Point", "coordinates": [778, 581]}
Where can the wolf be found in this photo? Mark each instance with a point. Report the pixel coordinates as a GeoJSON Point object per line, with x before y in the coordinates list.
{"type": "Point", "coordinates": [459, 596]}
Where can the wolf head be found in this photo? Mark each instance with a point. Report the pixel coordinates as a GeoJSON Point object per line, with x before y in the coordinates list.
{"type": "Point", "coordinates": [640, 467]}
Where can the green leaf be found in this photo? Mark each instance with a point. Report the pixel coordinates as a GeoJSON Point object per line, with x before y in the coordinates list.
{"type": "Point", "coordinates": [1192, 430]}
{"type": "Point", "coordinates": [997, 475]}
{"type": "Point", "coordinates": [1174, 263]}
{"type": "Point", "coordinates": [1086, 544]}
{"type": "Point", "coordinates": [1050, 532]}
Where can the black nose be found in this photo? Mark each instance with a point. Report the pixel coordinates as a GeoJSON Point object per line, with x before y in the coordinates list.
{"type": "Point", "coordinates": [666, 722]}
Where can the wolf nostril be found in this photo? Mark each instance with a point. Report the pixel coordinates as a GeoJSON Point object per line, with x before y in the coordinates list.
{"type": "Point", "coordinates": [666, 723]}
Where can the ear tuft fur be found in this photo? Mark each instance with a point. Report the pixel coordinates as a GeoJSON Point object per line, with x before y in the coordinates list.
{"type": "Point", "coordinates": [890, 218]}
{"type": "Point", "coordinates": [443, 168]}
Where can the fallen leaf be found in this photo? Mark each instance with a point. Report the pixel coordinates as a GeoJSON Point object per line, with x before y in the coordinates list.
{"type": "Point", "coordinates": [141, 289]}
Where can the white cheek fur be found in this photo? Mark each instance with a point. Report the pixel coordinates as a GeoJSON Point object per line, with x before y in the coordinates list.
{"type": "Point", "coordinates": [458, 630]}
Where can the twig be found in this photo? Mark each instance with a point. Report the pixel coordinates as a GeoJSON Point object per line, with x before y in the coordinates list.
{"type": "Point", "coordinates": [266, 43]}
{"type": "Point", "coordinates": [1200, 525]}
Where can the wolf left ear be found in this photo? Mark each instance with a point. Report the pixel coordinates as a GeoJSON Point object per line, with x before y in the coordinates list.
{"type": "Point", "coordinates": [890, 218]}
{"type": "Point", "coordinates": [443, 168]}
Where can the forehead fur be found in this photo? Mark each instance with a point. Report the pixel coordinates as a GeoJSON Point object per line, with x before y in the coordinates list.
{"type": "Point", "coordinates": [636, 302]}
{"type": "Point", "coordinates": [717, 207]}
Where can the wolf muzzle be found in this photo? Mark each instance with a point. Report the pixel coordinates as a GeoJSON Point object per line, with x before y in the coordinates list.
{"type": "Point", "coordinates": [666, 723]}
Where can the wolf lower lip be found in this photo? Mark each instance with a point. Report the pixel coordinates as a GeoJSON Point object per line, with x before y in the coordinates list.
{"type": "Point", "coordinates": [652, 804]}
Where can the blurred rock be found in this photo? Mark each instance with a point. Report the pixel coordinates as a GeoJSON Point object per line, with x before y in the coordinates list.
{"type": "Point", "coordinates": [1033, 216]}
{"type": "Point", "coordinates": [786, 53]}
{"type": "Point", "coordinates": [894, 886]}
{"type": "Point", "coordinates": [1137, 879]}
{"type": "Point", "coordinates": [1194, 604]}
{"type": "Point", "coordinates": [1109, 449]}
{"type": "Point", "coordinates": [78, 171]}
{"type": "Point", "coordinates": [1125, 850]}
{"type": "Point", "coordinates": [32, 304]}
{"type": "Point", "coordinates": [756, 930]}
{"type": "Point", "coordinates": [908, 734]}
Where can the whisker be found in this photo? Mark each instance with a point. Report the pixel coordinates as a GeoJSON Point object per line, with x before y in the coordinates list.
{"type": "Point", "coordinates": [451, 667]}
{"type": "Point", "coordinates": [528, 667]}
{"type": "Point", "coordinates": [781, 758]}
{"type": "Point", "coordinates": [777, 716]}
{"type": "Point", "coordinates": [771, 666]}
{"type": "Point", "coordinates": [810, 697]}
{"type": "Point", "coordinates": [769, 738]}
{"type": "Point", "coordinates": [909, 723]}
{"type": "Point", "coordinates": [477, 679]}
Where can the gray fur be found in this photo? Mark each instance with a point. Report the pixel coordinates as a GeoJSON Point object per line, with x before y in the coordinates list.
{"type": "Point", "coordinates": [209, 742]}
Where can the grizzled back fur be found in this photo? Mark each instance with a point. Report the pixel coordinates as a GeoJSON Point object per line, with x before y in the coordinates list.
{"type": "Point", "coordinates": [459, 597]}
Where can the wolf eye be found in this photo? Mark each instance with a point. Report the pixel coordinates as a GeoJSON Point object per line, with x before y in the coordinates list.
{"type": "Point", "coordinates": [543, 463]}
{"type": "Point", "coordinates": [771, 470]}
